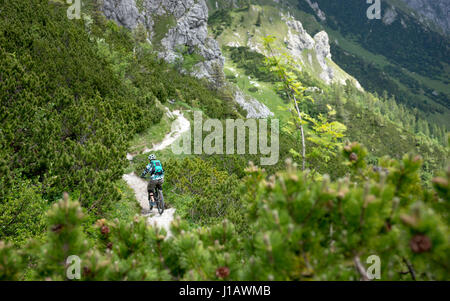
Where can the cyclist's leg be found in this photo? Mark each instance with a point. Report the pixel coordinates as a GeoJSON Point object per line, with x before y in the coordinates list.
{"type": "Point", "coordinates": [150, 189]}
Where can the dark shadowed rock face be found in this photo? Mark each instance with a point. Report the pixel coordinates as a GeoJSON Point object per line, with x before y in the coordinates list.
{"type": "Point", "coordinates": [174, 27]}
{"type": "Point", "coordinates": [437, 11]}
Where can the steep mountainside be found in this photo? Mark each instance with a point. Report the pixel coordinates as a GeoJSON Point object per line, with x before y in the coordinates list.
{"type": "Point", "coordinates": [176, 29]}
{"type": "Point", "coordinates": [83, 101]}
{"type": "Point", "coordinates": [398, 53]}
{"type": "Point", "coordinates": [247, 27]}
{"type": "Point", "coordinates": [240, 29]}
{"type": "Point", "coordinates": [398, 56]}
{"type": "Point", "coordinates": [437, 11]}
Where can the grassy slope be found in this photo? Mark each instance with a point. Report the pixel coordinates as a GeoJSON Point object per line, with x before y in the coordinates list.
{"type": "Point", "coordinates": [243, 31]}
{"type": "Point", "coordinates": [265, 93]}
{"type": "Point", "coordinates": [150, 136]}
{"type": "Point", "coordinates": [404, 89]}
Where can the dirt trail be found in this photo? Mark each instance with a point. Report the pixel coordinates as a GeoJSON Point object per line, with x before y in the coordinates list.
{"type": "Point", "coordinates": [181, 125]}
{"type": "Point", "coordinates": [140, 190]}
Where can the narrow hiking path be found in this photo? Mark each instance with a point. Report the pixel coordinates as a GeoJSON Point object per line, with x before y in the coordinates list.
{"type": "Point", "coordinates": [139, 185]}
{"type": "Point", "coordinates": [140, 190]}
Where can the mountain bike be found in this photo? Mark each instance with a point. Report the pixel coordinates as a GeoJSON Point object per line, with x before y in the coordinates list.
{"type": "Point", "coordinates": [159, 200]}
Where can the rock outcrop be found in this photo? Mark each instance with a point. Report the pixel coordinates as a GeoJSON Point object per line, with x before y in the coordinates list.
{"type": "Point", "coordinates": [124, 12]}
{"type": "Point", "coordinates": [315, 7]}
{"type": "Point", "coordinates": [323, 52]}
{"type": "Point", "coordinates": [254, 108]}
{"type": "Point", "coordinates": [389, 16]}
{"type": "Point", "coordinates": [297, 40]}
{"type": "Point", "coordinates": [175, 28]}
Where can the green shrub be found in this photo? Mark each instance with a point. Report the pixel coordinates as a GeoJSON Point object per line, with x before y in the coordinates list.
{"type": "Point", "coordinates": [299, 228]}
{"type": "Point", "coordinates": [253, 89]}
{"type": "Point", "coordinates": [213, 194]}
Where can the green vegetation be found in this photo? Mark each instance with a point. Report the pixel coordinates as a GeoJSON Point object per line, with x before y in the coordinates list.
{"type": "Point", "coordinates": [405, 58]}
{"type": "Point", "coordinates": [127, 207]}
{"type": "Point", "coordinates": [377, 121]}
{"type": "Point", "coordinates": [71, 100]}
{"type": "Point", "coordinates": [140, 5]}
{"type": "Point", "coordinates": [189, 58]}
{"type": "Point", "coordinates": [77, 96]}
{"type": "Point", "coordinates": [299, 229]}
{"type": "Point", "coordinates": [325, 136]}
{"type": "Point", "coordinates": [411, 46]}
{"type": "Point", "coordinates": [252, 62]}
{"type": "Point", "coordinates": [66, 114]}
{"type": "Point", "coordinates": [220, 19]}
{"type": "Point", "coordinates": [212, 195]}
{"type": "Point", "coordinates": [151, 136]}
{"type": "Point", "coordinates": [379, 66]}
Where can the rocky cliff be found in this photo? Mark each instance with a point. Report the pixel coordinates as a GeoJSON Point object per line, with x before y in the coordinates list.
{"type": "Point", "coordinates": [299, 40]}
{"type": "Point", "coordinates": [254, 108]}
{"type": "Point", "coordinates": [176, 28]}
{"type": "Point", "coordinates": [314, 52]}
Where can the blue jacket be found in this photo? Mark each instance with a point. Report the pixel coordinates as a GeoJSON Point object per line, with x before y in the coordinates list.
{"type": "Point", "coordinates": [149, 169]}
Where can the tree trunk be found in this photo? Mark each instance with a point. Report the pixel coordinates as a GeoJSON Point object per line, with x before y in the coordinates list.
{"type": "Point", "coordinates": [360, 268]}
{"type": "Point", "coordinates": [302, 132]}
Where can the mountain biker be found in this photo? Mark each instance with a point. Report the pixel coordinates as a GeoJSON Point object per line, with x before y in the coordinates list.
{"type": "Point", "coordinates": [155, 170]}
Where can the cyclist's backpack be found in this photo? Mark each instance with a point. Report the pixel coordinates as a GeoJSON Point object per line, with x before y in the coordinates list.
{"type": "Point", "coordinates": [158, 167]}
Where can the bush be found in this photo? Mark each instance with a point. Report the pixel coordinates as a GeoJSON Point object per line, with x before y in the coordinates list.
{"type": "Point", "coordinates": [71, 100]}
{"type": "Point", "coordinates": [212, 195]}
{"type": "Point", "coordinates": [299, 229]}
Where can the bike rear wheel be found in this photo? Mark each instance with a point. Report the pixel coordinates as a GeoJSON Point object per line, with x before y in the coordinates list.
{"type": "Point", "coordinates": [160, 202]}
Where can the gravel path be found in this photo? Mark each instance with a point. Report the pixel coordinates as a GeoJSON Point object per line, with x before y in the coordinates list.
{"type": "Point", "coordinates": [139, 185]}
{"type": "Point", "coordinates": [140, 190]}
{"type": "Point", "coordinates": [179, 126]}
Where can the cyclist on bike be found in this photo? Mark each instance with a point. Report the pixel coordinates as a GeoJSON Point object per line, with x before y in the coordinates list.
{"type": "Point", "coordinates": [155, 170]}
